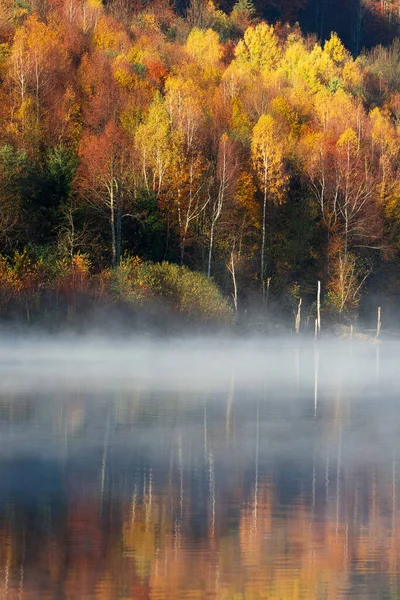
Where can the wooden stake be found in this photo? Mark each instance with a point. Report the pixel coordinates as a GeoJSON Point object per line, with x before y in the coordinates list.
{"type": "Point", "coordinates": [379, 324]}
{"type": "Point", "coordinates": [319, 308]}
{"type": "Point", "coordinates": [316, 370]}
{"type": "Point", "coordinates": [298, 317]}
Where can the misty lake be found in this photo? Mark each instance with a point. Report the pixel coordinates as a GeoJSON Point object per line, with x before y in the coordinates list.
{"type": "Point", "coordinates": [205, 469]}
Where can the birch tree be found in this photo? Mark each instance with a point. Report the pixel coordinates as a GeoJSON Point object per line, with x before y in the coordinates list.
{"type": "Point", "coordinates": [267, 155]}
{"type": "Point", "coordinates": [153, 143]}
{"type": "Point", "coordinates": [227, 170]}
{"type": "Point", "coordinates": [103, 179]}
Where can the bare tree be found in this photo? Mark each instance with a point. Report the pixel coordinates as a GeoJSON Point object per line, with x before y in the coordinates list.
{"type": "Point", "coordinates": [198, 14]}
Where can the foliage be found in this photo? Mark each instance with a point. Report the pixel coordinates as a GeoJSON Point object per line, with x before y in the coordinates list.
{"type": "Point", "coordinates": [181, 290]}
{"type": "Point", "coordinates": [111, 121]}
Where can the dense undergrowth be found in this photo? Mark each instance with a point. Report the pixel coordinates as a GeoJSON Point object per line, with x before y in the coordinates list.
{"type": "Point", "coordinates": [55, 293]}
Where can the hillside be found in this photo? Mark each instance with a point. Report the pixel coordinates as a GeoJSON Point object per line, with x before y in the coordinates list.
{"type": "Point", "coordinates": [243, 150]}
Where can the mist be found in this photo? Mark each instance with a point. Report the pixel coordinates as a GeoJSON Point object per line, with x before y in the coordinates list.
{"type": "Point", "coordinates": [305, 379]}
{"type": "Point", "coordinates": [28, 362]}
{"type": "Point", "coordinates": [217, 452]}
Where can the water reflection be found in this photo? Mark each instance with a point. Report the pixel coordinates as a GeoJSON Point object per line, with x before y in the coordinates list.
{"type": "Point", "coordinates": [251, 484]}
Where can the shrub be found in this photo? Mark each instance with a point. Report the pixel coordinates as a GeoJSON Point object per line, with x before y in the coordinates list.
{"type": "Point", "coordinates": [180, 290]}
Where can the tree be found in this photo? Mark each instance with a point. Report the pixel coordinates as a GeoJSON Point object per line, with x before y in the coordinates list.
{"type": "Point", "coordinates": [226, 174]}
{"type": "Point", "coordinates": [38, 62]}
{"type": "Point", "coordinates": [153, 143]}
{"type": "Point", "coordinates": [356, 187]}
{"type": "Point", "coordinates": [259, 48]}
{"type": "Point", "coordinates": [13, 171]}
{"type": "Point", "coordinates": [267, 154]}
{"type": "Point", "coordinates": [204, 47]}
{"type": "Point", "coordinates": [183, 101]}
{"type": "Point", "coordinates": [198, 14]}
{"type": "Point", "coordinates": [104, 178]}
{"type": "Point", "coordinates": [187, 191]}
{"type": "Point", "coordinates": [243, 13]}
{"type": "Point", "coordinates": [102, 97]}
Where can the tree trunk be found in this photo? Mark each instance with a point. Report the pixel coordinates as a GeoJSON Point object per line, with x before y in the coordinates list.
{"type": "Point", "coordinates": [182, 248]}
{"type": "Point", "coordinates": [118, 243]}
{"type": "Point", "coordinates": [210, 249]}
{"type": "Point", "coordinates": [37, 92]}
{"type": "Point", "coordinates": [264, 226]}
{"type": "Point", "coordinates": [235, 291]}
{"type": "Point", "coordinates": [112, 224]}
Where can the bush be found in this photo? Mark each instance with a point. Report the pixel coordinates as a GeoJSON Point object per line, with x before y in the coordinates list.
{"type": "Point", "coordinates": [180, 290]}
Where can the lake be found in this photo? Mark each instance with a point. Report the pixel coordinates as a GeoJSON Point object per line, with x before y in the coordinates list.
{"type": "Point", "coordinates": [226, 469]}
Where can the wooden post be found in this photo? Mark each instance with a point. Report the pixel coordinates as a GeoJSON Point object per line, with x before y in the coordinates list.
{"type": "Point", "coordinates": [316, 328]}
{"type": "Point", "coordinates": [316, 371]}
{"type": "Point", "coordinates": [379, 324]}
{"type": "Point", "coordinates": [298, 317]}
{"type": "Point", "coordinates": [319, 308]}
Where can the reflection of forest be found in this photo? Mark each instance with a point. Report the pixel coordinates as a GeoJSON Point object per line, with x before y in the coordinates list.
{"type": "Point", "coordinates": [234, 493]}
{"type": "Point", "coordinates": [149, 547]}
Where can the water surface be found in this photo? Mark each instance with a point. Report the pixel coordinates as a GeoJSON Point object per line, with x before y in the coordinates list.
{"type": "Point", "coordinates": [204, 469]}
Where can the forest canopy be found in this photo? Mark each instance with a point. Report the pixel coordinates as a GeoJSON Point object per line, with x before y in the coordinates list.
{"type": "Point", "coordinates": [203, 136]}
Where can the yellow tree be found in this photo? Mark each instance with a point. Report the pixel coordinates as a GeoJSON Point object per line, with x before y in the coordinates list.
{"type": "Point", "coordinates": [186, 193]}
{"type": "Point", "coordinates": [37, 58]}
{"type": "Point", "coordinates": [268, 161]}
{"type": "Point", "coordinates": [153, 142]}
{"type": "Point", "coordinates": [259, 48]}
{"type": "Point", "coordinates": [225, 183]}
{"type": "Point", "coordinates": [183, 101]}
{"type": "Point", "coordinates": [385, 150]}
{"type": "Point", "coordinates": [204, 47]}
{"type": "Point", "coordinates": [356, 191]}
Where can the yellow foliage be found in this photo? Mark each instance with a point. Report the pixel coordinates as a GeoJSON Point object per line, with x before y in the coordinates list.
{"type": "Point", "coordinates": [348, 140]}
{"type": "Point", "coordinates": [320, 67]}
{"type": "Point", "coordinates": [104, 37]}
{"type": "Point", "coordinates": [184, 101]}
{"type": "Point", "coordinates": [241, 124]}
{"type": "Point", "coordinates": [153, 142]}
{"type": "Point", "coordinates": [148, 21]}
{"type": "Point", "coordinates": [138, 53]}
{"type": "Point", "coordinates": [352, 74]}
{"type": "Point", "coordinates": [123, 72]}
{"type": "Point", "coordinates": [267, 154]}
{"type": "Point", "coordinates": [97, 4]}
{"type": "Point", "coordinates": [294, 59]}
{"type": "Point", "coordinates": [335, 49]}
{"type": "Point", "coordinates": [315, 68]}
{"type": "Point", "coordinates": [245, 195]}
{"type": "Point", "coordinates": [335, 112]}
{"type": "Point", "coordinates": [204, 47]}
{"type": "Point", "coordinates": [281, 106]}
{"type": "Point", "coordinates": [123, 77]}
{"type": "Point", "coordinates": [384, 135]}
{"type": "Point", "coordinates": [259, 48]}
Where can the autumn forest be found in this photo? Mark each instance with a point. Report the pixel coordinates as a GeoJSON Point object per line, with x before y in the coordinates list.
{"type": "Point", "coordinates": [200, 161]}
